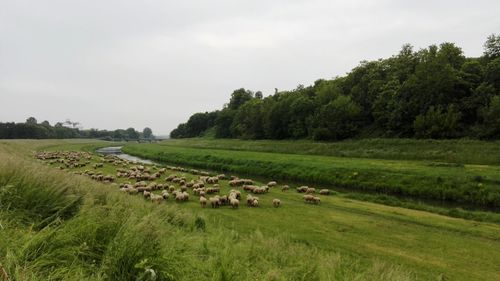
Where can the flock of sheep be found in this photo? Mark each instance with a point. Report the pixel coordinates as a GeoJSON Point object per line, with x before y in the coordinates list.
{"type": "Point", "coordinates": [147, 181]}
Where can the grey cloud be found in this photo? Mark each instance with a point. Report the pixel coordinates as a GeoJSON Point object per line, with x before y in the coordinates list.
{"type": "Point", "coordinates": [114, 64]}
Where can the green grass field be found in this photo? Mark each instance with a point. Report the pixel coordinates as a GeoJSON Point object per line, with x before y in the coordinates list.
{"type": "Point", "coordinates": [473, 184]}
{"type": "Point", "coordinates": [449, 151]}
{"type": "Point", "coordinates": [91, 231]}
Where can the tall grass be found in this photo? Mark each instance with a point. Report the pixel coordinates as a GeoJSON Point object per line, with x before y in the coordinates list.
{"type": "Point", "coordinates": [92, 232]}
{"type": "Point", "coordinates": [36, 196]}
{"type": "Point", "coordinates": [461, 151]}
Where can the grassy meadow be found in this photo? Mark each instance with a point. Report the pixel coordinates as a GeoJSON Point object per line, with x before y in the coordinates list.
{"type": "Point", "coordinates": [449, 151]}
{"type": "Point", "coordinates": [464, 183]}
{"type": "Point", "coordinates": [56, 225]}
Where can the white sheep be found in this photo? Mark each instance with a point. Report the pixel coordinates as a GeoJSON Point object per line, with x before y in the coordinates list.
{"type": "Point", "coordinates": [214, 201]}
{"type": "Point", "coordinates": [324, 192]}
{"type": "Point", "coordinates": [165, 194]}
{"type": "Point", "coordinates": [156, 198]}
{"type": "Point", "coordinates": [203, 202]}
{"type": "Point", "coordinates": [276, 203]}
{"type": "Point", "coordinates": [235, 203]}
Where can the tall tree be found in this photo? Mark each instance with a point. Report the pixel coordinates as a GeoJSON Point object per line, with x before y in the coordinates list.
{"type": "Point", "coordinates": [492, 46]}
{"type": "Point", "coordinates": [239, 97]}
{"type": "Point", "coordinates": [31, 120]}
{"type": "Point", "coordinates": [147, 133]}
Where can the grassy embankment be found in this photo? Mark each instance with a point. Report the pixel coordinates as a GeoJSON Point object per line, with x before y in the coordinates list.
{"type": "Point", "coordinates": [448, 151]}
{"type": "Point", "coordinates": [60, 226]}
{"type": "Point", "coordinates": [429, 178]}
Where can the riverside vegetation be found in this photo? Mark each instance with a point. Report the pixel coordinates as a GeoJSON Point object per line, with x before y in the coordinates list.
{"type": "Point", "coordinates": [374, 166]}
{"type": "Point", "coordinates": [60, 225]}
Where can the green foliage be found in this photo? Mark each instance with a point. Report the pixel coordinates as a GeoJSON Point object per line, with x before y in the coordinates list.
{"type": "Point", "coordinates": [491, 117]}
{"type": "Point", "coordinates": [223, 123]}
{"type": "Point", "coordinates": [338, 119]}
{"type": "Point", "coordinates": [32, 130]}
{"type": "Point", "coordinates": [492, 46]}
{"type": "Point", "coordinates": [437, 123]}
{"type": "Point", "coordinates": [196, 125]}
{"type": "Point", "coordinates": [147, 133]}
{"type": "Point", "coordinates": [31, 120]}
{"type": "Point", "coordinates": [238, 98]}
{"type": "Point", "coordinates": [382, 98]}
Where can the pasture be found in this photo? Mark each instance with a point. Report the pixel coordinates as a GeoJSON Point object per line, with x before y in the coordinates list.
{"type": "Point", "coordinates": [467, 184]}
{"type": "Point", "coordinates": [110, 232]}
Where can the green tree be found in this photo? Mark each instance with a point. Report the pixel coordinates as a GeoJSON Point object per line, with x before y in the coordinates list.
{"type": "Point", "coordinates": [45, 123]}
{"type": "Point", "coordinates": [239, 97]}
{"type": "Point", "coordinates": [247, 123]}
{"type": "Point", "coordinates": [31, 120]}
{"type": "Point", "coordinates": [491, 119]}
{"type": "Point", "coordinates": [492, 73]}
{"type": "Point", "coordinates": [492, 46]}
{"type": "Point", "coordinates": [223, 123]}
{"type": "Point", "coordinates": [438, 123]}
{"type": "Point", "coordinates": [147, 133]}
{"type": "Point", "coordinates": [337, 120]}
{"type": "Point", "coordinates": [132, 134]}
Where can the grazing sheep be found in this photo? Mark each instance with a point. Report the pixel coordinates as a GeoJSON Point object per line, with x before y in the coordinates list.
{"type": "Point", "coordinates": [276, 203]}
{"type": "Point", "coordinates": [255, 202]}
{"type": "Point", "coordinates": [285, 188]}
{"type": "Point", "coordinates": [156, 198]}
{"type": "Point", "coordinates": [179, 197]}
{"type": "Point", "coordinates": [203, 202]}
{"type": "Point", "coordinates": [324, 192]}
{"type": "Point", "coordinates": [223, 200]}
{"type": "Point", "coordinates": [316, 200]}
{"type": "Point", "coordinates": [310, 190]}
{"type": "Point", "coordinates": [171, 177]}
{"type": "Point", "coordinates": [308, 198]}
{"type": "Point", "coordinates": [212, 190]}
{"type": "Point", "coordinates": [183, 188]}
{"type": "Point", "coordinates": [132, 191]}
{"type": "Point", "coordinates": [165, 194]}
{"type": "Point", "coordinates": [271, 184]}
{"type": "Point", "coordinates": [171, 188]}
{"type": "Point", "coordinates": [211, 180]}
{"type": "Point", "coordinates": [235, 194]}
{"type": "Point", "coordinates": [147, 194]}
{"type": "Point", "coordinates": [302, 189]}
{"type": "Point", "coordinates": [235, 203]}
{"type": "Point", "coordinates": [214, 201]}
{"type": "Point", "coordinates": [249, 199]}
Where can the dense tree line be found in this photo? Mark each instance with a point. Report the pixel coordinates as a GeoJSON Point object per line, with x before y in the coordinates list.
{"type": "Point", "coordinates": [435, 92]}
{"type": "Point", "coordinates": [31, 129]}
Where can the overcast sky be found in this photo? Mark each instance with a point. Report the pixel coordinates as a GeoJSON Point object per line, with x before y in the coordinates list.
{"type": "Point", "coordinates": [119, 64]}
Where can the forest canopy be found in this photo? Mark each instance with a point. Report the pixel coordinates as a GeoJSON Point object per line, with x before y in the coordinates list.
{"type": "Point", "coordinates": [434, 92]}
